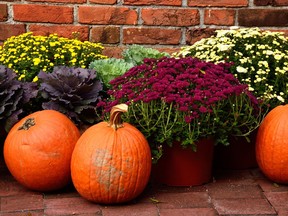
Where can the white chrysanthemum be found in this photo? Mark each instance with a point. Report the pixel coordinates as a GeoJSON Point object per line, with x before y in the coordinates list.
{"type": "Point", "coordinates": [241, 69]}
{"type": "Point", "coordinates": [280, 98]}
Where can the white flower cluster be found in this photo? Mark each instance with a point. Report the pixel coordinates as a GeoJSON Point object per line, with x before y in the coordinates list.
{"type": "Point", "coordinates": [260, 59]}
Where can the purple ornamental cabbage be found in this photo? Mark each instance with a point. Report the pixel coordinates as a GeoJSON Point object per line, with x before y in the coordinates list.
{"type": "Point", "coordinates": [14, 97]}
{"type": "Point", "coordinates": [71, 91]}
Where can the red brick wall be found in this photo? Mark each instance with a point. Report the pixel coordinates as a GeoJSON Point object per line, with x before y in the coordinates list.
{"type": "Point", "coordinates": [162, 24]}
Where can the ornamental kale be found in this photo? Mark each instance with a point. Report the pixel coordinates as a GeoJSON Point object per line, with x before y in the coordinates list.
{"type": "Point", "coordinates": [108, 69]}
{"type": "Point", "coordinates": [184, 99]}
{"type": "Point", "coordinates": [72, 91]}
{"type": "Point", "coordinates": [15, 97]}
{"type": "Point", "coordinates": [135, 54]}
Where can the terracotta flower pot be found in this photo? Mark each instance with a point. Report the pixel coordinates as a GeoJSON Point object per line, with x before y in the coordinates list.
{"type": "Point", "coordinates": [184, 167]}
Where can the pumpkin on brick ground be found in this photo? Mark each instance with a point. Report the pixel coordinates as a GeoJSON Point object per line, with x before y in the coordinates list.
{"type": "Point", "coordinates": [272, 145]}
{"type": "Point", "coordinates": [38, 150]}
{"type": "Point", "coordinates": [111, 162]}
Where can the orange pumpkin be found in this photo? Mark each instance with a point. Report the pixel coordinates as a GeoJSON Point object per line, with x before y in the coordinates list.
{"type": "Point", "coordinates": [272, 145]}
{"type": "Point", "coordinates": [111, 162]}
{"type": "Point", "coordinates": [38, 150]}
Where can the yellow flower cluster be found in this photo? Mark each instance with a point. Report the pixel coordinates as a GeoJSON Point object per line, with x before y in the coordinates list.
{"type": "Point", "coordinates": [260, 59]}
{"type": "Point", "coordinates": [27, 54]}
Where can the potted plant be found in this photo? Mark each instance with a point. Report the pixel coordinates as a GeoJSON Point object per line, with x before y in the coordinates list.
{"type": "Point", "coordinates": [27, 54]}
{"type": "Point", "coordinates": [184, 101]}
{"type": "Point", "coordinates": [260, 60]}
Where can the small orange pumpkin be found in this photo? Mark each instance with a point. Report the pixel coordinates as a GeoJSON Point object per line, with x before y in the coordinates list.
{"type": "Point", "coordinates": [38, 150]}
{"type": "Point", "coordinates": [272, 145]}
{"type": "Point", "coordinates": [111, 162]}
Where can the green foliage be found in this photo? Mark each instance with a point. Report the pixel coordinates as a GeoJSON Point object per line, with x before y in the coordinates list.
{"type": "Point", "coordinates": [27, 54]}
{"type": "Point", "coordinates": [135, 54]}
{"type": "Point", "coordinates": [108, 69]}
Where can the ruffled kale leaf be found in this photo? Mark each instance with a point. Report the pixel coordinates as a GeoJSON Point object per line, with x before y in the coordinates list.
{"type": "Point", "coordinates": [72, 91]}
{"type": "Point", "coordinates": [14, 97]}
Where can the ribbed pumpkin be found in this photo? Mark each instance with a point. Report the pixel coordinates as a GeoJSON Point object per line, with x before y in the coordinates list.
{"type": "Point", "coordinates": [111, 162]}
{"type": "Point", "coordinates": [272, 145]}
{"type": "Point", "coordinates": [38, 150]}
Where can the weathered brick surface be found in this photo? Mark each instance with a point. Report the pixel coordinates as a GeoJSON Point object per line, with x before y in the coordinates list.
{"type": "Point", "coordinates": [259, 17]}
{"type": "Point", "coordinates": [151, 36]}
{"type": "Point", "coordinates": [219, 17]}
{"type": "Point", "coordinates": [171, 17]}
{"type": "Point", "coordinates": [109, 2]}
{"type": "Point", "coordinates": [105, 35]}
{"type": "Point", "coordinates": [61, 30]}
{"type": "Point", "coordinates": [281, 2]}
{"type": "Point", "coordinates": [263, 2]}
{"type": "Point", "coordinates": [43, 13]}
{"type": "Point", "coordinates": [8, 30]}
{"type": "Point", "coordinates": [60, 1]}
{"type": "Point", "coordinates": [160, 23]}
{"type": "Point", "coordinates": [193, 35]}
{"type": "Point", "coordinates": [3, 12]}
{"type": "Point", "coordinates": [219, 3]}
{"type": "Point", "coordinates": [153, 2]}
{"type": "Point", "coordinates": [271, 2]}
{"type": "Point", "coordinates": [107, 15]}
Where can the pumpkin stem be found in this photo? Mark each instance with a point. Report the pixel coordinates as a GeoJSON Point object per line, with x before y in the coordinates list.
{"type": "Point", "coordinates": [115, 115]}
{"type": "Point", "coordinates": [27, 124]}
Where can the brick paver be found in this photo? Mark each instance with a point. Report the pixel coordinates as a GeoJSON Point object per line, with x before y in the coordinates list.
{"type": "Point", "coordinates": [234, 192]}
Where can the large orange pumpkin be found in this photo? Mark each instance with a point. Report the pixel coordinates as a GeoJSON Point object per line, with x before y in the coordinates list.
{"type": "Point", "coordinates": [111, 162]}
{"type": "Point", "coordinates": [272, 145]}
{"type": "Point", "coordinates": [38, 150]}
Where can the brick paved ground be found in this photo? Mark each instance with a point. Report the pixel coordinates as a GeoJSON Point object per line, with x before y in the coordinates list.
{"type": "Point", "coordinates": [245, 192]}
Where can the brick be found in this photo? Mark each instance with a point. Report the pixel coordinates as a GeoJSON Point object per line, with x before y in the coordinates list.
{"type": "Point", "coordinates": [153, 2]}
{"type": "Point", "coordinates": [8, 30]}
{"type": "Point", "coordinates": [27, 213]}
{"type": "Point", "coordinates": [183, 200]}
{"type": "Point", "coordinates": [107, 15]}
{"type": "Point", "coordinates": [263, 17]}
{"type": "Point", "coordinates": [246, 206]}
{"type": "Point", "coordinates": [113, 51]}
{"type": "Point", "coordinates": [193, 35]}
{"type": "Point", "coordinates": [218, 3]}
{"type": "Point", "coordinates": [70, 206]}
{"type": "Point", "coordinates": [269, 186]}
{"type": "Point", "coordinates": [109, 2]}
{"type": "Point", "coordinates": [277, 199]}
{"type": "Point", "coordinates": [151, 36]}
{"type": "Point", "coordinates": [61, 30]}
{"type": "Point", "coordinates": [141, 209]}
{"type": "Point", "coordinates": [24, 202]}
{"type": "Point", "coordinates": [191, 211]}
{"type": "Point", "coordinates": [3, 12]}
{"type": "Point", "coordinates": [219, 17]}
{"type": "Point", "coordinates": [281, 2]}
{"type": "Point", "coordinates": [171, 17]}
{"type": "Point", "coordinates": [271, 2]}
{"type": "Point", "coordinates": [43, 13]}
{"type": "Point", "coordinates": [230, 191]}
{"type": "Point", "coordinates": [263, 2]}
{"type": "Point", "coordinates": [105, 35]}
{"type": "Point", "coordinates": [60, 1]}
